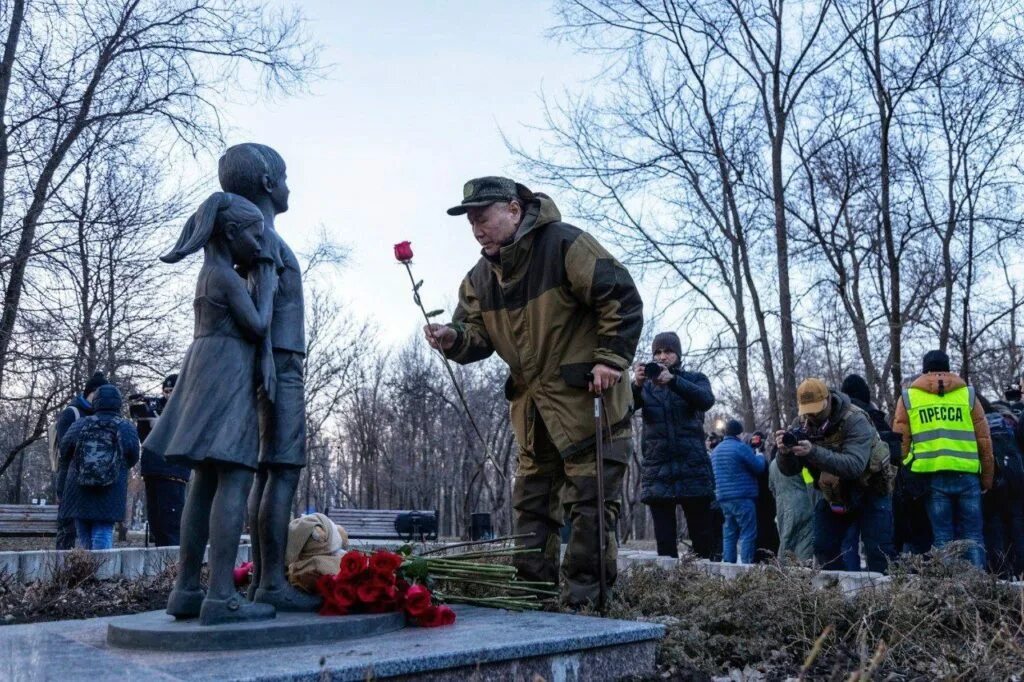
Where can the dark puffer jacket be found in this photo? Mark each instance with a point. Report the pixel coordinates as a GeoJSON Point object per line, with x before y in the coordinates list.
{"type": "Point", "coordinates": [675, 461]}
{"type": "Point", "coordinates": [106, 503]}
{"type": "Point", "coordinates": [76, 409]}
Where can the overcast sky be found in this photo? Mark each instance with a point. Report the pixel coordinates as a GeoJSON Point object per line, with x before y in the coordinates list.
{"type": "Point", "coordinates": [414, 106]}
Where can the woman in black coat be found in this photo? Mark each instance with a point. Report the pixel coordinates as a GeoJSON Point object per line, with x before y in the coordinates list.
{"type": "Point", "coordinates": [676, 466]}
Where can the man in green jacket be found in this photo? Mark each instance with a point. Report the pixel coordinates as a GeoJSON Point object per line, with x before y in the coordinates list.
{"type": "Point", "coordinates": [566, 318]}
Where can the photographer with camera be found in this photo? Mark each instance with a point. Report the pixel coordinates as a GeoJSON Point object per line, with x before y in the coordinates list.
{"type": "Point", "coordinates": [849, 463]}
{"type": "Point", "coordinates": [676, 465]}
{"type": "Point", "coordinates": [165, 483]}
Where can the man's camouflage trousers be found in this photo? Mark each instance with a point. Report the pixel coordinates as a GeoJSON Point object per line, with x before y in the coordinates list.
{"type": "Point", "coordinates": [548, 490]}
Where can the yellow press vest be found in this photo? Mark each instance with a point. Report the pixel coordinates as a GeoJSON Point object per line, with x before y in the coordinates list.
{"type": "Point", "coordinates": [808, 478]}
{"type": "Point", "coordinates": [941, 431]}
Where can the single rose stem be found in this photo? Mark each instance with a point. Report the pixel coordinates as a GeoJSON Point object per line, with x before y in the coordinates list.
{"type": "Point", "coordinates": [451, 374]}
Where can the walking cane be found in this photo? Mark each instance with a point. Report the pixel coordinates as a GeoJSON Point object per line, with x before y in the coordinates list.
{"type": "Point", "coordinates": [602, 540]}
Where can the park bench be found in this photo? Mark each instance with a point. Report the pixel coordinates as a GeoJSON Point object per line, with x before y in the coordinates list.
{"type": "Point", "coordinates": [28, 519]}
{"type": "Point", "coordinates": [386, 524]}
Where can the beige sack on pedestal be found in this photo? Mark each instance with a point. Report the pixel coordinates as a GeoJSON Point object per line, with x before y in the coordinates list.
{"type": "Point", "coordinates": [315, 546]}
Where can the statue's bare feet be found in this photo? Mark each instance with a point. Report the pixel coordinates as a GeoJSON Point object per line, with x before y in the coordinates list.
{"type": "Point", "coordinates": [288, 598]}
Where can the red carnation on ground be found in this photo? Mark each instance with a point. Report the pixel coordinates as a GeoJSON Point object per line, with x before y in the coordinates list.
{"type": "Point", "coordinates": [403, 252]}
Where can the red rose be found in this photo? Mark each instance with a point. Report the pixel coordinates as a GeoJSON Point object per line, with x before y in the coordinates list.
{"type": "Point", "coordinates": [243, 574]}
{"type": "Point", "coordinates": [438, 617]}
{"type": "Point", "coordinates": [403, 252]}
{"type": "Point", "coordinates": [387, 601]}
{"type": "Point", "coordinates": [353, 563]}
{"type": "Point", "coordinates": [325, 586]}
{"type": "Point", "coordinates": [371, 591]}
{"type": "Point", "coordinates": [417, 600]}
{"type": "Point", "coordinates": [329, 608]}
{"type": "Point", "coordinates": [385, 562]}
{"type": "Point", "coordinates": [343, 595]}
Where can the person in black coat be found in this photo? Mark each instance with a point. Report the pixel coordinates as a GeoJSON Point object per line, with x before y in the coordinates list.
{"type": "Point", "coordinates": [96, 509]}
{"type": "Point", "coordinates": [676, 468]}
{"type": "Point", "coordinates": [165, 482]}
{"type": "Point", "coordinates": [857, 390]}
{"type": "Point", "coordinates": [79, 407]}
{"type": "Point", "coordinates": [1002, 507]}
{"type": "Point", "coordinates": [767, 531]}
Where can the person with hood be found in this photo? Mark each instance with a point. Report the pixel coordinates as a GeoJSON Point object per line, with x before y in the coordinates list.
{"type": "Point", "coordinates": [737, 468]}
{"type": "Point", "coordinates": [165, 482]}
{"type": "Point", "coordinates": [946, 438]}
{"type": "Point", "coordinates": [80, 406]}
{"type": "Point", "coordinates": [848, 462]}
{"type": "Point", "coordinates": [1012, 398]}
{"type": "Point", "coordinates": [1002, 508]}
{"type": "Point", "coordinates": [676, 469]}
{"type": "Point", "coordinates": [857, 390]}
{"type": "Point", "coordinates": [98, 451]}
{"type": "Point", "coordinates": [566, 317]}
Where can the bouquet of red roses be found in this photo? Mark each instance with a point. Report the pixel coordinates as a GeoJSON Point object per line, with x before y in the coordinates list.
{"type": "Point", "coordinates": [372, 583]}
{"type": "Point", "coordinates": [385, 581]}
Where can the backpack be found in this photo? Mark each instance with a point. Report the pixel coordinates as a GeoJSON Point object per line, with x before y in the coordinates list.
{"type": "Point", "coordinates": [51, 437]}
{"type": "Point", "coordinates": [1004, 451]}
{"type": "Point", "coordinates": [98, 450]}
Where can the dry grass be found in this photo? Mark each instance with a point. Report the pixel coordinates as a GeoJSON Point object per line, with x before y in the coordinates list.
{"type": "Point", "coordinates": [74, 592]}
{"type": "Point", "coordinates": [936, 619]}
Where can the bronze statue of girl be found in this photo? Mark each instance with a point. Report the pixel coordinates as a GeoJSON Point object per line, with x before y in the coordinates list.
{"type": "Point", "coordinates": [210, 421]}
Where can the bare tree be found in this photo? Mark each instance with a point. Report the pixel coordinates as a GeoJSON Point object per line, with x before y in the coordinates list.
{"type": "Point", "coordinates": [74, 67]}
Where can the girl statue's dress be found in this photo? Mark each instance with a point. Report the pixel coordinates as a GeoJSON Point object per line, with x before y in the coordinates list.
{"type": "Point", "coordinates": [220, 366]}
{"type": "Point", "coordinates": [210, 422]}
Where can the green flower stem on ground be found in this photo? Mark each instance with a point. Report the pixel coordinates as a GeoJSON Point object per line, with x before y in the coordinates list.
{"type": "Point", "coordinates": [512, 586]}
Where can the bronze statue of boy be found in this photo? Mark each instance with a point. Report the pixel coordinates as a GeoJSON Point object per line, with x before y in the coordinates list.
{"type": "Point", "coordinates": [258, 173]}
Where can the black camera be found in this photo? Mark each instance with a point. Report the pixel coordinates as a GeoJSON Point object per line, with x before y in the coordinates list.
{"type": "Point", "coordinates": [794, 436]}
{"type": "Point", "coordinates": [143, 406]}
{"type": "Point", "coordinates": [652, 370]}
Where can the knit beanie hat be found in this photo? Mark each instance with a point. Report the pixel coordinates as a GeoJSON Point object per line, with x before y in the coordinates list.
{"type": "Point", "coordinates": [733, 428]}
{"type": "Point", "coordinates": [935, 361]}
{"type": "Point", "coordinates": [667, 341]}
{"type": "Point", "coordinates": [855, 387]}
{"type": "Point", "coordinates": [170, 380]}
{"type": "Point", "coordinates": [95, 382]}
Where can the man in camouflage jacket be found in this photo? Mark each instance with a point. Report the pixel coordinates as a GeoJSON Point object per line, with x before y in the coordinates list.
{"type": "Point", "coordinates": [566, 318]}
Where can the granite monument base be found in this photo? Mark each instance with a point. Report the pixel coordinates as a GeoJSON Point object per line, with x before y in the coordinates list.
{"type": "Point", "coordinates": [484, 644]}
{"type": "Point", "coordinates": [156, 630]}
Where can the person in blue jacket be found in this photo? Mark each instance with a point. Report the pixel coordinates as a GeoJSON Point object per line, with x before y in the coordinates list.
{"type": "Point", "coordinates": [737, 468]}
{"type": "Point", "coordinates": [676, 470]}
{"type": "Point", "coordinates": [96, 508]}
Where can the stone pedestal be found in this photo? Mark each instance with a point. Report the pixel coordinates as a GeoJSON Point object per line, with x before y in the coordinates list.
{"type": "Point", "coordinates": [156, 630]}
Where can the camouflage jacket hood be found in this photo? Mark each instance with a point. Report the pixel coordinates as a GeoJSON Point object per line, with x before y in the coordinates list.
{"type": "Point", "coordinates": [551, 304]}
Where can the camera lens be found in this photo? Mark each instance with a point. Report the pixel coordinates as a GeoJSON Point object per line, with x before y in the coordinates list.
{"type": "Point", "coordinates": [789, 439]}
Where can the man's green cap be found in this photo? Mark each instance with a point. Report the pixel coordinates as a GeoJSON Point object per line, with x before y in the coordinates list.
{"type": "Point", "coordinates": [485, 191]}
